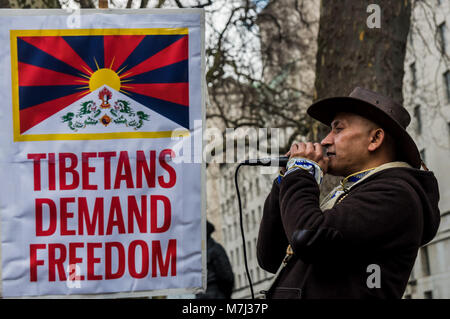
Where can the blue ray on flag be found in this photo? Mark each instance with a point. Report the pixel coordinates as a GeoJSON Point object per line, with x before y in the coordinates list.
{"type": "Point", "coordinates": [149, 46]}
{"type": "Point", "coordinates": [28, 53]}
{"type": "Point", "coordinates": [89, 48]}
{"type": "Point", "coordinates": [176, 112]}
{"type": "Point", "coordinates": [174, 73]}
{"type": "Point", "coordinates": [34, 95]}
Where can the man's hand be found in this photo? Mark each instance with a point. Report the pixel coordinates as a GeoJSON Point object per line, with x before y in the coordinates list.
{"type": "Point", "coordinates": [310, 151]}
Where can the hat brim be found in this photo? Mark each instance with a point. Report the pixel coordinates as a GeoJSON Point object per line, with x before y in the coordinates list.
{"type": "Point", "coordinates": [325, 111]}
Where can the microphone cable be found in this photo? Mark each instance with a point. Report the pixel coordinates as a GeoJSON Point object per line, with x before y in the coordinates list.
{"type": "Point", "coordinates": [242, 231]}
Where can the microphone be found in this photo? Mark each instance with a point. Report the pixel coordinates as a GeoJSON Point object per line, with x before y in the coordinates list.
{"type": "Point", "coordinates": [267, 161]}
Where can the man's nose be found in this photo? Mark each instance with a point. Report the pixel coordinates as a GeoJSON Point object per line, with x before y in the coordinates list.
{"type": "Point", "coordinates": [327, 141]}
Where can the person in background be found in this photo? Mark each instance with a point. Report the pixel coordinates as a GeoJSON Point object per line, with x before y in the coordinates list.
{"type": "Point", "coordinates": [220, 278]}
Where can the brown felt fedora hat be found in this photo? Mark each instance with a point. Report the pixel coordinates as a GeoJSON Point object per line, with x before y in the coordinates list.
{"type": "Point", "coordinates": [380, 109]}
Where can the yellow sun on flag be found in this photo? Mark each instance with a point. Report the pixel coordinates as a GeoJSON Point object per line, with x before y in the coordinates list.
{"type": "Point", "coordinates": [102, 77]}
{"type": "Point", "coordinates": [105, 76]}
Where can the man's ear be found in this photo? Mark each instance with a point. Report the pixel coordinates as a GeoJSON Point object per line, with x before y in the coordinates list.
{"type": "Point", "coordinates": [376, 139]}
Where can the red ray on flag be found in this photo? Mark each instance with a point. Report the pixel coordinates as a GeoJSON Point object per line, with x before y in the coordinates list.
{"type": "Point", "coordinates": [172, 92]}
{"type": "Point", "coordinates": [58, 48]}
{"type": "Point", "coordinates": [43, 111]}
{"type": "Point", "coordinates": [172, 54]}
{"type": "Point", "coordinates": [30, 75]}
{"type": "Point", "coordinates": [118, 48]}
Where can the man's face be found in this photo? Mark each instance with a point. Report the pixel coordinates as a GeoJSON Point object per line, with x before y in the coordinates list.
{"type": "Point", "coordinates": [347, 144]}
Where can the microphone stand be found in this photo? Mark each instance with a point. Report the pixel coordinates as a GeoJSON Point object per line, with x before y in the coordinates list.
{"type": "Point", "coordinates": [281, 161]}
{"type": "Point", "coordinates": [242, 231]}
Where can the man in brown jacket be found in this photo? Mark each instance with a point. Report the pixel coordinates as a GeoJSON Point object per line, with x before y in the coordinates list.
{"type": "Point", "coordinates": [363, 239]}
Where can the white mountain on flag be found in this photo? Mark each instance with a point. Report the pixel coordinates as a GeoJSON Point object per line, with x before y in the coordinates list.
{"type": "Point", "coordinates": [104, 110]}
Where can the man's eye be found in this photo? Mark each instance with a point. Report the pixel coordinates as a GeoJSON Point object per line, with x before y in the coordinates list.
{"type": "Point", "coordinates": [338, 129]}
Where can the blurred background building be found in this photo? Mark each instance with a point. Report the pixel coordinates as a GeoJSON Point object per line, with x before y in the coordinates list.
{"type": "Point", "coordinates": [426, 91]}
{"type": "Point", "coordinates": [292, 64]}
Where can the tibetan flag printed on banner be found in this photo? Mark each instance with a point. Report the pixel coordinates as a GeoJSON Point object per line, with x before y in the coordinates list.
{"type": "Point", "coordinates": [103, 184]}
{"type": "Point", "coordinates": [84, 84]}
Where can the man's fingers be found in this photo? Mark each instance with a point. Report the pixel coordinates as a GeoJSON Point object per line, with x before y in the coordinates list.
{"type": "Point", "coordinates": [297, 149]}
{"type": "Point", "coordinates": [309, 149]}
{"type": "Point", "coordinates": [293, 149]}
{"type": "Point", "coordinates": [318, 149]}
{"type": "Point", "coordinates": [301, 147]}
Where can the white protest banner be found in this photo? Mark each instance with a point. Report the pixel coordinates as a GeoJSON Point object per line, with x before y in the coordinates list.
{"type": "Point", "coordinates": [92, 198]}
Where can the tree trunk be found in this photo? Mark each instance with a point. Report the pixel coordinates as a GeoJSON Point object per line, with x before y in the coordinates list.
{"type": "Point", "coordinates": [144, 4]}
{"type": "Point", "coordinates": [86, 4]}
{"type": "Point", "coordinates": [351, 54]}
